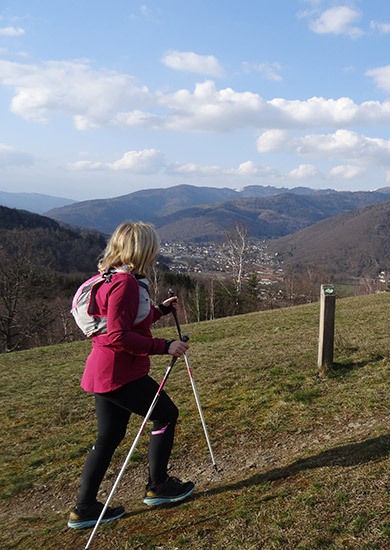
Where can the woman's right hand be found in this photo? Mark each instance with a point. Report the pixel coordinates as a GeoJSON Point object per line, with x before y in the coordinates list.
{"type": "Point", "coordinates": [177, 348]}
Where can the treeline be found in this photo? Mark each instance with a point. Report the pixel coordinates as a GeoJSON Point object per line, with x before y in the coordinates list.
{"type": "Point", "coordinates": [210, 296]}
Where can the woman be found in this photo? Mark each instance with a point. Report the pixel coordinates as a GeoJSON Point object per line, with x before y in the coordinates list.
{"type": "Point", "coordinates": [117, 373]}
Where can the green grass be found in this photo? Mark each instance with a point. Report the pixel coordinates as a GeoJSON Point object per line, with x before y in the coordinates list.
{"type": "Point", "coordinates": [305, 459]}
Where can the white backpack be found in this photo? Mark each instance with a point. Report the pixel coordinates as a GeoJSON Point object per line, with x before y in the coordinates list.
{"type": "Point", "coordinates": [83, 303]}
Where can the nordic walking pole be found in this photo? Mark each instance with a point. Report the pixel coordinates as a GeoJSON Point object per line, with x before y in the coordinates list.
{"type": "Point", "coordinates": [148, 414]}
{"type": "Point", "coordinates": [195, 392]}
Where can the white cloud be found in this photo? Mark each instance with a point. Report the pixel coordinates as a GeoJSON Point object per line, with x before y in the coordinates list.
{"type": "Point", "coordinates": [338, 20]}
{"type": "Point", "coordinates": [208, 109]}
{"type": "Point", "coordinates": [148, 161]}
{"type": "Point", "coordinates": [345, 171]}
{"type": "Point", "coordinates": [250, 168]}
{"type": "Point", "coordinates": [193, 63]}
{"type": "Point", "coordinates": [272, 140]}
{"type": "Point", "coordinates": [347, 145]}
{"type": "Point", "coordinates": [136, 119]}
{"type": "Point", "coordinates": [381, 77]}
{"type": "Point", "coordinates": [195, 169]}
{"type": "Point", "coordinates": [11, 156]}
{"type": "Point", "coordinates": [245, 169]}
{"type": "Point", "coordinates": [11, 31]}
{"type": "Point", "coordinates": [72, 88]}
{"type": "Point", "coordinates": [269, 70]}
{"type": "Point", "coordinates": [87, 165]}
{"type": "Point", "coordinates": [381, 27]}
{"type": "Point", "coordinates": [102, 98]}
{"type": "Point", "coordinates": [343, 144]}
{"type": "Point", "coordinates": [304, 171]}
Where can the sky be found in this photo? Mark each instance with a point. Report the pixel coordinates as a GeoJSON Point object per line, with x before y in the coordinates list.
{"type": "Point", "coordinates": [100, 99]}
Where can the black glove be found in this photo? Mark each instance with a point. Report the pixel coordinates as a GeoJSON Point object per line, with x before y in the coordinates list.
{"type": "Point", "coordinates": [165, 309]}
{"type": "Point", "coordinates": [167, 344]}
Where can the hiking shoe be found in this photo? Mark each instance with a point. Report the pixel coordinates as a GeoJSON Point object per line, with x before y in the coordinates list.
{"type": "Point", "coordinates": [173, 490]}
{"type": "Point", "coordinates": [81, 519]}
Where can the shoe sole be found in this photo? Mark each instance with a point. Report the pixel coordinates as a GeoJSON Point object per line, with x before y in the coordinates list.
{"type": "Point", "coordinates": [155, 501]}
{"type": "Point", "coordinates": [91, 522]}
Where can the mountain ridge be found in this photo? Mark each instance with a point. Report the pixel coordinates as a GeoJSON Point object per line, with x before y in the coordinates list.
{"type": "Point", "coordinates": [193, 213]}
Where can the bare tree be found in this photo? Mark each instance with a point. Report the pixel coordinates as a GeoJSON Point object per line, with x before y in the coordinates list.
{"type": "Point", "coordinates": [22, 311]}
{"type": "Point", "coordinates": [155, 280]}
{"type": "Point", "coordinates": [211, 292]}
{"type": "Point", "coordinates": [235, 250]}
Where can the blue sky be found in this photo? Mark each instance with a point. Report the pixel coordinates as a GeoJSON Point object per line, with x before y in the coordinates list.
{"type": "Point", "coordinates": [100, 99]}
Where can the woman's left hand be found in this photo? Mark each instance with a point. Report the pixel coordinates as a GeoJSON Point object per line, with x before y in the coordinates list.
{"type": "Point", "coordinates": [171, 302]}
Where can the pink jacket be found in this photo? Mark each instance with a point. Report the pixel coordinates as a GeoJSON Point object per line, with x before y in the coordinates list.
{"type": "Point", "coordinates": [121, 355]}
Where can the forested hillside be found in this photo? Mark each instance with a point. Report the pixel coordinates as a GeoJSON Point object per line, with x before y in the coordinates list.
{"type": "Point", "coordinates": [41, 265]}
{"type": "Point", "coordinates": [52, 245]}
{"type": "Point", "coordinates": [354, 243]}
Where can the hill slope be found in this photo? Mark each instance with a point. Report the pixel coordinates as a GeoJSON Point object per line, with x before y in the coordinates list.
{"type": "Point", "coordinates": [48, 243]}
{"type": "Point", "coordinates": [304, 460]}
{"type": "Point", "coordinates": [355, 243]}
{"type": "Point", "coordinates": [192, 213]}
{"type": "Point", "coordinates": [34, 202]}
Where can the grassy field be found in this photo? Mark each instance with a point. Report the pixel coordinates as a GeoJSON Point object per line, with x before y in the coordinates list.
{"type": "Point", "coordinates": [304, 460]}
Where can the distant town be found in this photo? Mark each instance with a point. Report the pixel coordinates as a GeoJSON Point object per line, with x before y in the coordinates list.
{"type": "Point", "coordinates": [209, 257]}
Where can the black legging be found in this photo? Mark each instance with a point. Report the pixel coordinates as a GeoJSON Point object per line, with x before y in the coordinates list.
{"type": "Point", "coordinates": [113, 411]}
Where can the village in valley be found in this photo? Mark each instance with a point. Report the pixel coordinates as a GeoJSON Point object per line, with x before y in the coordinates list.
{"type": "Point", "coordinates": [210, 258]}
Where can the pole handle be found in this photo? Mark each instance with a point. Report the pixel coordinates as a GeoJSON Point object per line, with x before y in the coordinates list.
{"type": "Point", "coordinates": [174, 313]}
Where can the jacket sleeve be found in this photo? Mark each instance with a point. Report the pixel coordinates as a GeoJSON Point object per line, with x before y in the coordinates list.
{"type": "Point", "coordinates": [157, 313]}
{"type": "Point", "coordinates": [122, 308]}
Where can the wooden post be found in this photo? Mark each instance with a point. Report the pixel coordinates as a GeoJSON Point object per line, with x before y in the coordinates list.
{"type": "Point", "coordinates": [326, 337]}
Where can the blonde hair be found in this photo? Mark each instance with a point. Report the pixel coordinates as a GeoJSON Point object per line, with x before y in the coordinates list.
{"type": "Point", "coordinates": [133, 245]}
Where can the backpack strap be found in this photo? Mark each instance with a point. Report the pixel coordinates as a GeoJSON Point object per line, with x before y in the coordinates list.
{"type": "Point", "coordinates": [144, 285]}
{"type": "Point", "coordinates": [107, 274]}
{"type": "Point", "coordinates": [139, 281]}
